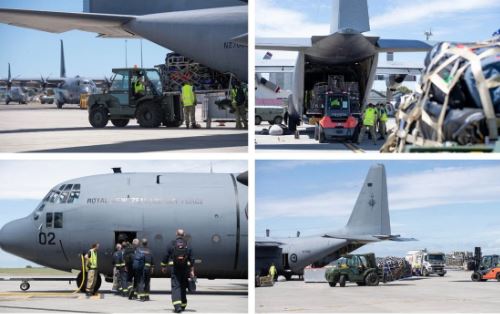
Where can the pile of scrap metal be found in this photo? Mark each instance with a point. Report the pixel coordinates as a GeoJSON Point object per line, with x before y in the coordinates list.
{"type": "Point", "coordinates": [178, 69]}
{"type": "Point", "coordinates": [393, 268]}
{"type": "Point", "coordinates": [458, 103]}
{"type": "Point", "coordinates": [460, 260]}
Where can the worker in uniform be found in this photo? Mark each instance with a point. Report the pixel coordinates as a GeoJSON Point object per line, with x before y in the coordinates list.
{"type": "Point", "coordinates": [382, 120]}
{"type": "Point", "coordinates": [188, 98]}
{"type": "Point", "coordinates": [136, 272]}
{"type": "Point", "coordinates": [123, 270]}
{"type": "Point", "coordinates": [128, 257]}
{"type": "Point", "coordinates": [91, 266]}
{"type": "Point", "coordinates": [148, 263]}
{"type": "Point", "coordinates": [369, 118]}
{"type": "Point", "coordinates": [117, 264]}
{"type": "Point", "coordinates": [273, 272]}
{"type": "Point", "coordinates": [239, 101]}
{"type": "Point", "coordinates": [139, 88]}
{"type": "Point", "coordinates": [179, 260]}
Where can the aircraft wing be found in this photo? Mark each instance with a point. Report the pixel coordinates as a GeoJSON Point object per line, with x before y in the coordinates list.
{"type": "Point", "coordinates": [31, 82]}
{"type": "Point", "coordinates": [106, 25]}
{"type": "Point", "coordinates": [368, 238]}
{"type": "Point", "coordinates": [267, 242]}
{"type": "Point", "coordinates": [284, 44]}
{"type": "Point", "coordinates": [403, 45]}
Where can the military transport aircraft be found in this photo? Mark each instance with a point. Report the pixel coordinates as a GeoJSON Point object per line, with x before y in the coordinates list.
{"type": "Point", "coordinates": [67, 90]}
{"type": "Point", "coordinates": [211, 208]}
{"type": "Point", "coordinates": [213, 33]}
{"type": "Point", "coordinates": [346, 51]}
{"type": "Point", "coordinates": [369, 222]}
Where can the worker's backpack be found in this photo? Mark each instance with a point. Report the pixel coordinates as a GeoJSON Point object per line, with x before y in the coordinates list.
{"type": "Point", "coordinates": [240, 96]}
{"type": "Point", "coordinates": [139, 258]}
{"type": "Point", "coordinates": [180, 253]}
{"type": "Point", "coordinates": [128, 254]}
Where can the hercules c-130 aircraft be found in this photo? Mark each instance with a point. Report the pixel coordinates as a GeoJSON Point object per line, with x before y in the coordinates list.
{"type": "Point", "coordinates": [211, 208]}
{"type": "Point", "coordinates": [369, 222]}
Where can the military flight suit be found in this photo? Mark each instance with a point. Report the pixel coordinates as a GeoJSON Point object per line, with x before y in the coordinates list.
{"type": "Point", "coordinates": [180, 271]}
{"type": "Point", "coordinates": [138, 268]}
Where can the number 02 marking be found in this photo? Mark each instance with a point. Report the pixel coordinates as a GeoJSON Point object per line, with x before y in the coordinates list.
{"type": "Point", "coordinates": [45, 239]}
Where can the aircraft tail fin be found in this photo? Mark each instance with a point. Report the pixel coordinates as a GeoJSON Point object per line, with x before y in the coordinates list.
{"type": "Point", "coordinates": [133, 7]}
{"type": "Point", "coordinates": [63, 63]}
{"type": "Point", "coordinates": [370, 215]}
{"type": "Point", "coordinates": [351, 14]}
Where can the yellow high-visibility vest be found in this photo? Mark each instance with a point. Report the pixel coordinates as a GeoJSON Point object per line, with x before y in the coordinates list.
{"type": "Point", "coordinates": [383, 116]}
{"type": "Point", "coordinates": [369, 118]}
{"type": "Point", "coordinates": [272, 271]}
{"type": "Point", "coordinates": [93, 259]}
{"type": "Point", "coordinates": [139, 87]}
{"type": "Point", "coordinates": [187, 95]}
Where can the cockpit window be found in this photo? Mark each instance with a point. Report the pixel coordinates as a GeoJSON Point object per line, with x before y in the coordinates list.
{"type": "Point", "coordinates": [67, 193]}
{"type": "Point", "coordinates": [48, 220]}
{"type": "Point", "coordinates": [58, 220]}
{"type": "Point", "coordinates": [74, 194]}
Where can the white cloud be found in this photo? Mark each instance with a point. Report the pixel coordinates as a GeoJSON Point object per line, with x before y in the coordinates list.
{"type": "Point", "coordinates": [275, 21]}
{"type": "Point", "coordinates": [437, 187]}
{"type": "Point", "coordinates": [33, 179]}
{"type": "Point", "coordinates": [407, 13]}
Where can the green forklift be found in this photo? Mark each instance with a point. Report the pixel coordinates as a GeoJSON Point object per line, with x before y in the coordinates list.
{"type": "Point", "coordinates": [359, 268]}
{"type": "Point", "coordinates": [120, 103]}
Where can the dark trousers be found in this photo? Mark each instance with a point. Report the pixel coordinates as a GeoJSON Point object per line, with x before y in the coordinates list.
{"type": "Point", "coordinates": [124, 279]}
{"type": "Point", "coordinates": [144, 284]}
{"type": "Point", "coordinates": [130, 276]}
{"type": "Point", "coordinates": [179, 282]}
{"type": "Point", "coordinates": [137, 280]}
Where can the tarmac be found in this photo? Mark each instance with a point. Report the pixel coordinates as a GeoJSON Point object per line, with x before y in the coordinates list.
{"type": "Point", "coordinates": [307, 143]}
{"type": "Point", "coordinates": [212, 296]}
{"type": "Point", "coordinates": [453, 293]}
{"type": "Point", "coordinates": [44, 128]}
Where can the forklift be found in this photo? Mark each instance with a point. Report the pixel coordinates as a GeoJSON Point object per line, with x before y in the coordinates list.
{"type": "Point", "coordinates": [485, 267]}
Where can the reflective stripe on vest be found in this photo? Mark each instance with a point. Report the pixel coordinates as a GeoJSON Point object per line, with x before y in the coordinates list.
{"type": "Point", "coordinates": [93, 259]}
{"type": "Point", "coordinates": [369, 118]}
{"type": "Point", "coordinates": [187, 95]}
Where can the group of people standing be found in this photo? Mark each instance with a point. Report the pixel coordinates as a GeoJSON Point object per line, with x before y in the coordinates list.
{"type": "Point", "coordinates": [134, 265]}
{"type": "Point", "coordinates": [374, 120]}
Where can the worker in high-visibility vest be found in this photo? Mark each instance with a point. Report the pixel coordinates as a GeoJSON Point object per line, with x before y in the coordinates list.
{"type": "Point", "coordinates": [369, 119]}
{"type": "Point", "coordinates": [91, 267]}
{"type": "Point", "coordinates": [239, 103]}
{"type": "Point", "coordinates": [382, 120]}
{"type": "Point", "coordinates": [273, 272]}
{"type": "Point", "coordinates": [139, 88]}
{"type": "Point", "coordinates": [188, 98]}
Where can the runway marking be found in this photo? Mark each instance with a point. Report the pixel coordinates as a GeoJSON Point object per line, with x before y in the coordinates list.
{"type": "Point", "coordinates": [354, 148]}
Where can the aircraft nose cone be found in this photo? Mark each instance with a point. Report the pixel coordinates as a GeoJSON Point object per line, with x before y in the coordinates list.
{"type": "Point", "coordinates": [11, 235]}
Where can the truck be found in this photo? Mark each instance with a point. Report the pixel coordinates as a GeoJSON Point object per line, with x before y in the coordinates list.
{"type": "Point", "coordinates": [424, 263]}
{"type": "Point", "coordinates": [359, 268]}
{"type": "Point", "coordinates": [271, 114]}
{"type": "Point", "coordinates": [120, 104]}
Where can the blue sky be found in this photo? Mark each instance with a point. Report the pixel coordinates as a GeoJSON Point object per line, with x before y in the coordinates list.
{"type": "Point", "coordinates": [32, 52]}
{"type": "Point", "coordinates": [447, 205]}
{"type": "Point", "coordinates": [24, 183]}
{"type": "Point", "coordinates": [457, 20]}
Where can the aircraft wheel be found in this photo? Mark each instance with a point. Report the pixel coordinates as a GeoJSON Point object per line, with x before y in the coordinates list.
{"type": "Point", "coordinates": [441, 275]}
{"type": "Point", "coordinates": [97, 283]}
{"type": "Point", "coordinates": [24, 286]}
{"type": "Point", "coordinates": [258, 120]}
{"type": "Point", "coordinates": [98, 117]}
{"type": "Point", "coordinates": [372, 279]}
{"type": "Point", "coordinates": [321, 135]}
{"type": "Point", "coordinates": [278, 120]}
{"type": "Point", "coordinates": [332, 283]}
{"type": "Point", "coordinates": [79, 282]}
{"type": "Point", "coordinates": [149, 115]}
{"type": "Point", "coordinates": [476, 276]}
{"type": "Point", "coordinates": [287, 276]}
{"type": "Point", "coordinates": [342, 280]}
{"type": "Point", "coordinates": [120, 123]}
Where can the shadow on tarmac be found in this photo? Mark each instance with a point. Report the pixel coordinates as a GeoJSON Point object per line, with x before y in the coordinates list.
{"type": "Point", "coordinates": [154, 145]}
{"type": "Point", "coordinates": [109, 127]}
{"type": "Point", "coordinates": [42, 309]}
